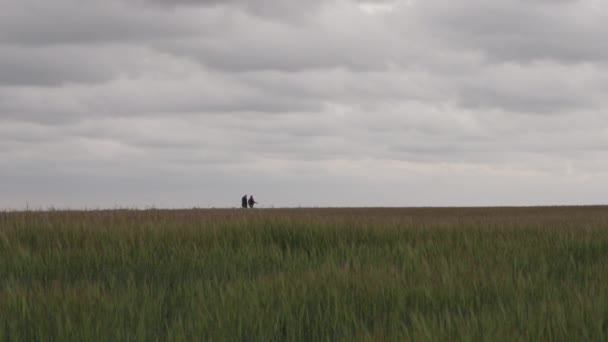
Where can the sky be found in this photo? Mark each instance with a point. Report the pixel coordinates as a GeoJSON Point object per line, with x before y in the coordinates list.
{"type": "Point", "coordinates": [186, 103]}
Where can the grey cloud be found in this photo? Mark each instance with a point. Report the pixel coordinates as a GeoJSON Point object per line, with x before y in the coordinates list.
{"type": "Point", "coordinates": [540, 87]}
{"type": "Point", "coordinates": [209, 95]}
{"type": "Point", "coordinates": [196, 102]}
{"type": "Point", "coordinates": [540, 102]}
{"type": "Point", "coordinates": [39, 22]}
{"type": "Point", "coordinates": [282, 10]}
{"type": "Point", "coordinates": [316, 45]}
{"type": "Point", "coordinates": [568, 31]}
{"type": "Point", "coordinates": [51, 66]}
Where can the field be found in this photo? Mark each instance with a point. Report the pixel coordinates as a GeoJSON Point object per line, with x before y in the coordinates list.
{"type": "Point", "coordinates": [305, 274]}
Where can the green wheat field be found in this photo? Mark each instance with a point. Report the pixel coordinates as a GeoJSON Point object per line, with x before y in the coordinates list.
{"type": "Point", "coordinates": [305, 274]}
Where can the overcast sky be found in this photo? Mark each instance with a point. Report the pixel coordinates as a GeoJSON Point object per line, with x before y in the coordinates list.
{"type": "Point", "coordinates": [135, 103]}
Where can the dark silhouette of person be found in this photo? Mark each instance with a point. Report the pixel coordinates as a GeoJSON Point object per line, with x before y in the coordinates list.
{"type": "Point", "coordinates": [251, 201]}
{"type": "Point", "coordinates": [244, 202]}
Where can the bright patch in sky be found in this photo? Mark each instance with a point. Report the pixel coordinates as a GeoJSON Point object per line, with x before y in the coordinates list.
{"type": "Point", "coordinates": [374, 8]}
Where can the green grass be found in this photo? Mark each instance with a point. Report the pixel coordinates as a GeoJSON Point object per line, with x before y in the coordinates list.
{"type": "Point", "coordinates": [305, 274]}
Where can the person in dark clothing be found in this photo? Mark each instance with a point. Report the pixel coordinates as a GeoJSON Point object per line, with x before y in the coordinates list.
{"type": "Point", "coordinates": [251, 201]}
{"type": "Point", "coordinates": [244, 202]}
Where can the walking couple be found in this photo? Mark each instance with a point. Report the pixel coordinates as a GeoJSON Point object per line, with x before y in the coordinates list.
{"type": "Point", "coordinates": [244, 201]}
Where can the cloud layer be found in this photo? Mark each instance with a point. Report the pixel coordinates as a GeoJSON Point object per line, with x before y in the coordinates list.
{"type": "Point", "coordinates": [312, 103]}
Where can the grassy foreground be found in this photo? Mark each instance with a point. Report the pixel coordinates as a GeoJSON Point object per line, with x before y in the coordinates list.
{"type": "Point", "coordinates": [305, 274]}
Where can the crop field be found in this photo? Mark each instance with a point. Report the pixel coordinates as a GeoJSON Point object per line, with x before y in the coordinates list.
{"type": "Point", "coordinates": [305, 274]}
